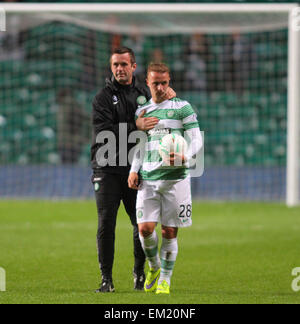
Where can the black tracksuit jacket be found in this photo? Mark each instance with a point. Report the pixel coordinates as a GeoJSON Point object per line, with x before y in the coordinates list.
{"type": "Point", "coordinates": [113, 105]}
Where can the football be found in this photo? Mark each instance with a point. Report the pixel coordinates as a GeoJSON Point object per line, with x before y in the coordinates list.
{"type": "Point", "coordinates": [172, 143]}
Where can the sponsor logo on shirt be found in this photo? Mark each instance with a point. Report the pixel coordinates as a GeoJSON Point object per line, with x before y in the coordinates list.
{"type": "Point", "coordinates": [159, 131]}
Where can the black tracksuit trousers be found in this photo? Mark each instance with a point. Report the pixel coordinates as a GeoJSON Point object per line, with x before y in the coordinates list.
{"type": "Point", "coordinates": [110, 189]}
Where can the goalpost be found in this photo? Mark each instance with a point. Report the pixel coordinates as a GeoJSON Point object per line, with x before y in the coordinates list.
{"type": "Point", "coordinates": [293, 128]}
{"type": "Point", "coordinates": [216, 22]}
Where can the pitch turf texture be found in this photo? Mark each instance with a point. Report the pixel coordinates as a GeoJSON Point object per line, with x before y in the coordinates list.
{"type": "Point", "coordinates": [233, 253]}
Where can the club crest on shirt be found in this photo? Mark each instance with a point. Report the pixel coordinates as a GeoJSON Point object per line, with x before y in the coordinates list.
{"type": "Point", "coordinates": [170, 113]}
{"type": "Point", "coordinates": [141, 100]}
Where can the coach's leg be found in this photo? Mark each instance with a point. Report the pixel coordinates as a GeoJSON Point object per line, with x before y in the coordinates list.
{"type": "Point", "coordinates": [107, 206]}
{"type": "Point", "coordinates": [129, 200]}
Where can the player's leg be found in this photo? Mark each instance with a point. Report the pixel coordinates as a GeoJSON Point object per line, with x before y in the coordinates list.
{"type": "Point", "coordinates": [148, 214]}
{"type": "Point", "coordinates": [168, 255]}
{"type": "Point", "coordinates": [149, 241]}
{"type": "Point", "coordinates": [177, 203]}
{"type": "Point", "coordinates": [176, 213]}
{"type": "Point", "coordinates": [129, 199]}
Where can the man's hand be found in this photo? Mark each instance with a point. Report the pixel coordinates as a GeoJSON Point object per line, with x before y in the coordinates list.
{"type": "Point", "coordinates": [170, 93]}
{"type": "Point", "coordinates": [133, 181]}
{"type": "Point", "coordinates": [146, 123]}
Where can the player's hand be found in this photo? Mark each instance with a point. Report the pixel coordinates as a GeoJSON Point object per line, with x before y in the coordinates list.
{"type": "Point", "coordinates": [146, 123]}
{"type": "Point", "coordinates": [133, 181]}
{"type": "Point", "coordinates": [177, 159]}
{"type": "Point", "coordinates": [170, 93]}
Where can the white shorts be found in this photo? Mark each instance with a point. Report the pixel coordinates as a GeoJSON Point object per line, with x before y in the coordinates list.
{"type": "Point", "coordinates": [168, 202]}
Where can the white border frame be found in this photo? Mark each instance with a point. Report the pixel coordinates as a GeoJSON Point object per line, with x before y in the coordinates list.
{"type": "Point", "coordinates": [147, 7]}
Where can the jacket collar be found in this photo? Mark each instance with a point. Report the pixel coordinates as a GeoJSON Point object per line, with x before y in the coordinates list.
{"type": "Point", "coordinates": [113, 84]}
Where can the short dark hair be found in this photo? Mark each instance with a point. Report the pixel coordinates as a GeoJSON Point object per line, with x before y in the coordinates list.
{"type": "Point", "coordinates": [124, 50]}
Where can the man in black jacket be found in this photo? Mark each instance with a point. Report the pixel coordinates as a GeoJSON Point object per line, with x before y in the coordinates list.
{"type": "Point", "coordinates": [113, 106]}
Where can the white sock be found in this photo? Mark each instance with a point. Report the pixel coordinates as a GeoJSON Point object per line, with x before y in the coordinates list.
{"type": "Point", "coordinates": [150, 247]}
{"type": "Point", "coordinates": [168, 255]}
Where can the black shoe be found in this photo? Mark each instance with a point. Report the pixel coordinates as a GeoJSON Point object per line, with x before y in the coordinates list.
{"type": "Point", "coordinates": [106, 286]}
{"type": "Point", "coordinates": [139, 281]}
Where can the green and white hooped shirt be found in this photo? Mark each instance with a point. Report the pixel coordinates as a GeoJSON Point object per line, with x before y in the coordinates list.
{"type": "Point", "coordinates": [175, 116]}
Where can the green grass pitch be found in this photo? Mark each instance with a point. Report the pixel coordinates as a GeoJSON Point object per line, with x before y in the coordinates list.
{"type": "Point", "coordinates": [233, 253]}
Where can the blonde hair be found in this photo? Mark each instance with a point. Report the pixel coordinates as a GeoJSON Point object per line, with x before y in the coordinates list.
{"type": "Point", "coordinates": [158, 67]}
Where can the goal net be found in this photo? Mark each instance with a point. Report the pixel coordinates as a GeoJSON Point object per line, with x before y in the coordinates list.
{"type": "Point", "coordinates": [231, 65]}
